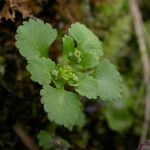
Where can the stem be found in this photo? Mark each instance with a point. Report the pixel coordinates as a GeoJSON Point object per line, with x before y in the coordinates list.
{"type": "Point", "coordinates": [139, 31]}
{"type": "Point", "coordinates": [25, 137]}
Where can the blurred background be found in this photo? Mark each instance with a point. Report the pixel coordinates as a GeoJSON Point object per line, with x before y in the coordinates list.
{"type": "Point", "coordinates": [115, 125]}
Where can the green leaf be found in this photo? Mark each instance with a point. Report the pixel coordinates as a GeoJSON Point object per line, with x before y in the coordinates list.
{"type": "Point", "coordinates": [109, 81]}
{"type": "Point", "coordinates": [87, 86]}
{"type": "Point", "coordinates": [40, 69]}
{"type": "Point", "coordinates": [86, 40]}
{"type": "Point", "coordinates": [48, 142]}
{"type": "Point", "coordinates": [63, 107]}
{"type": "Point", "coordinates": [34, 38]}
{"type": "Point", "coordinates": [118, 116]}
{"type": "Point", "coordinates": [68, 44]}
{"type": "Point", "coordinates": [88, 60]}
{"type": "Point", "coordinates": [106, 83]}
{"type": "Point", "coordinates": [68, 47]}
{"type": "Point", "coordinates": [44, 140]}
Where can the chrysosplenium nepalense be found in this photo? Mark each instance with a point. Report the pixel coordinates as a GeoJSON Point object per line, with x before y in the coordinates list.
{"type": "Point", "coordinates": [81, 66]}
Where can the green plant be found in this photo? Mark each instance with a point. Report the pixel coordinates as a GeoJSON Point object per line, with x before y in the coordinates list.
{"type": "Point", "coordinates": [81, 66]}
{"type": "Point", "coordinates": [49, 142]}
{"type": "Point", "coordinates": [117, 37]}
{"type": "Point", "coordinates": [109, 11]}
{"type": "Point", "coordinates": [118, 114]}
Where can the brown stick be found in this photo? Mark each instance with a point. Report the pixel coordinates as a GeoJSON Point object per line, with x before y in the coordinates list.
{"type": "Point", "coordinates": [138, 25]}
{"type": "Point", "coordinates": [25, 137]}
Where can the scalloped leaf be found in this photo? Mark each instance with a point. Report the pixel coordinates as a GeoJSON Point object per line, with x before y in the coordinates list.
{"type": "Point", "coordinates": [68, 47]}
{"type": "Point", "coordinates": [34, 37]}
{"type": "Point", "coordinates": [87, 86]}
{"type": "Point", "coordinates": [40, 69]}
{"type": "Point", "coordinates": [110, 81]}
{"type": "Point", "coordinates": [63, 107]}
{"type": "Point", "coordinates": [68, 44]}
{"type": "Point", "coordinates": [86, 40]}
{"type": "Point", "coordinates": [88, 60]}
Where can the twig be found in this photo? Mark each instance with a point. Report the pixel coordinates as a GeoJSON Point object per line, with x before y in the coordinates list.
{"type": "Point", "coordinates": [25, 137]}
{"type": "Point", "coordinates": [139, 31]}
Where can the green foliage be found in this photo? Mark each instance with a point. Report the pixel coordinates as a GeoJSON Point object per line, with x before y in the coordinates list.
{"type": "Point", "coordinates": [44, 139]}
{"type": "Point", "coordinates": [109, 81]}
{"type": "Point", "coordinates": [34, 38]}
{"type": "Point", "coordinates": [81, 68]}
{"type": "Point", "coordinates": [118, 114]}
{"type": "Point", "coordinates": [87, 86]}
{"type": "Point", "coordinates": [117, 37]}
{"type": "Point", "coordinates": [88, 44]}
{"type": "Point", "coordinates": [86, 40]}
{"type": "Point", "coordinates": [49, 142]}
{"type": "Point", "coordinates": [88, 60]}
{"type": "Point", "coordinates": [105, 83]}
{"type": "Point", "coordinates": [110, 10]}
{"type": "Point", "coordinates": [40, 69]}
{"type": "Point", "coordinates": [68, 44]}
{"type": "Point", "coordinates": [62, 106]}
